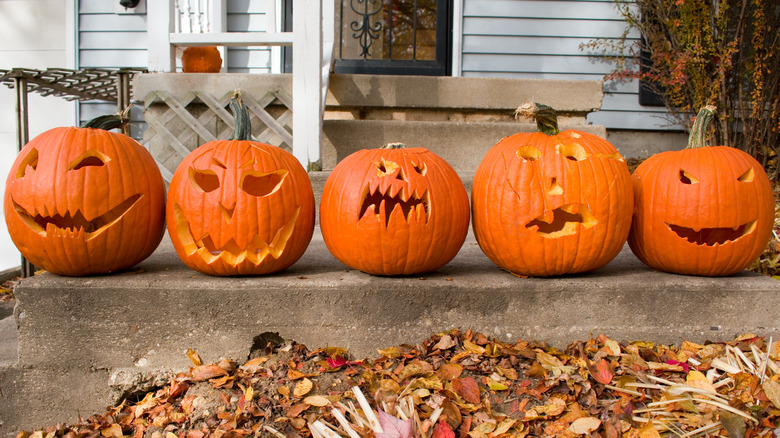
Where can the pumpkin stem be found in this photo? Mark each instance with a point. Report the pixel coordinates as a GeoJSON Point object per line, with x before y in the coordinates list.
{"type": "Point", "coordinates": [545, 116]}
{"type": "Point", "coordinates": [698, 137]}
{"type": "Point", "coordinates": [109, 121]}
{"type": "Point", "coordinates": [396, 145]}
{"type": "Point", "coordinates": [243, 127]}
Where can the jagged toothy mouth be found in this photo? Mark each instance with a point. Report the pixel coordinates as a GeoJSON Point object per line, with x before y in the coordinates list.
{"type": "Point", "coordinates": [712, 236]}
{"type": "Point", "coordinates": [73, 225]}
{"type": "Point", "coordinates": [414, 207]}
{"type": "Point", "coordinates": [256, 251]}
{"type": "Point", "coordinates": [563, 221]}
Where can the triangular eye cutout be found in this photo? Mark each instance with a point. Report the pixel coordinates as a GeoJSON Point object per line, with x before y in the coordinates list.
{"type": "Point", "coordinates": [204, 180]}
{"type": "Point", "coordinates": [29, 164]}
{"type": "Point", "coordinates": [528, 153]}
{"type": "Point", "coordinates": [89, 158]}
{"type": "Point", "coordinates": [747, 176]}
{"type": "Point", "coordinates": [687, 178]}
{"type": "Point", "coordinates": [420, 168]}
{"type": "Point", "coordinates": [262, 184]}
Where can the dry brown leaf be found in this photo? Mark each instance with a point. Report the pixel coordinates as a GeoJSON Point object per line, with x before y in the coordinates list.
{"type": "Point", "coordinates": [297, 409]}
{"type": "Point", "coordinates": [446, 342]}
{"type": "Point", "coordinates": [316, 400]}
{"type": "Point", "coordinates": [302, 387]}
{"type": "Point", "coordinates": [585, 425]}
{"type": "Point", "coordinates": [206, 372]}
{"type": "Point", "coordinates": [113, 431]}
{"type": "Point", "coordinates": [772, 390]}
{"type": "Point", "coordinates": [415, 368]}
{"type": "Point", "coordinates": [449, 371]}
{"type": "Point", "coordinates": [467, 388]}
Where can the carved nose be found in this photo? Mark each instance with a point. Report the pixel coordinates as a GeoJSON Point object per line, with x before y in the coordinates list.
{"type": "Point", "coordinates": [227, 212]}
{"type": "Point", "coordinates": [554, 188]}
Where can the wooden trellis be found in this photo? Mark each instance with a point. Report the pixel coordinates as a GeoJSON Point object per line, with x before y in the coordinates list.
{"type": "Point", "coordinates": [179, 124]}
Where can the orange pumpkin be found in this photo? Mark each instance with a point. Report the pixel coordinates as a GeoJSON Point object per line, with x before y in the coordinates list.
{"type": "Point", "coordinates": [240, 207]}
{"type": "Point", "coordinates": [701, 210]}
{"type": "Point", "coordinates": [84, 201]}
{"type": "Point", "coordinates": [394, 211]}
{"type": "Point", "coordinates": [549, 202]}
{"type": "Point", "coordinates": [201, 60]}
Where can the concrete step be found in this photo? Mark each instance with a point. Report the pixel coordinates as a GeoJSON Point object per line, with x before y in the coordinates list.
{"type": "Point", "coordinates": [84, 342]}
{"type": "Point", "coordinates": [461, 144]}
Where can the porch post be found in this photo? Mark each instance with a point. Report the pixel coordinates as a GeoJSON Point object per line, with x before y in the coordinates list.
{"type": "Point", "coordinates": [307, 82]}
{"type": "Point", "coordinates": [160, 24]}
{"type": "Point", "coordinates": [22, 137]}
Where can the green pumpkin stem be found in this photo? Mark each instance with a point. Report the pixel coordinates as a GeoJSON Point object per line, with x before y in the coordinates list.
{"type": "Point", "coordinates": [698, 137]}
{"type": "Point", "coordinates": [243, 127]}
{"type": "Point", "coordinates": [545, 116]}
{"type": "Point", "coordinates": [396, 145]}
{"type": "Point", "coordinates": [109, 121]}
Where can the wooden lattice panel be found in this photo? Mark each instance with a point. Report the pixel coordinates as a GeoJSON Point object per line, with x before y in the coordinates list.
{"type": "Point", "coordinates": [179, 124]}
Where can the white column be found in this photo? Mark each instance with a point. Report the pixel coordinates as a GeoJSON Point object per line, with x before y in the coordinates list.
{"type": "Point", "coordinates": [160, 20]}
{"type": "Point", "coordinates": [218, 23]}
{"type": "Point", "coordinates": [307, 82]}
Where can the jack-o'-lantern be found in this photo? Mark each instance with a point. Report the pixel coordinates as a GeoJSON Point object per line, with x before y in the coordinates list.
{"type": "Point", "coordinates": [702, 210]}
{"type": "Point", "coordinates": [551, 203]}
{"type": "Point", "coordinates": [240, 207]}
{"type": "Point", "coordinates": [394, 211]}
{"type": "Point", "coordinates": [85, 200]}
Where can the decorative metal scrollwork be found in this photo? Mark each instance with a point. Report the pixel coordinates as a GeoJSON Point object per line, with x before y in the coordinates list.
{"type": "Point", "coordinates": [365, 32]}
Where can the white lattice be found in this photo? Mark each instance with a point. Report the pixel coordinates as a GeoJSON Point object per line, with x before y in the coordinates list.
{"type": "Point", "coordinates": [178, 125]}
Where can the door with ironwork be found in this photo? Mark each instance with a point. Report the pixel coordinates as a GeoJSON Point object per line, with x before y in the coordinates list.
{"type": "Point", "coordinates": [393, 37]}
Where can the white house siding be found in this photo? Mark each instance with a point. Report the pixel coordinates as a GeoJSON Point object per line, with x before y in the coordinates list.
{"type": "Point", "coordinates": [541, 39]}
{"type": "Point", "coordinates": [33, 34]}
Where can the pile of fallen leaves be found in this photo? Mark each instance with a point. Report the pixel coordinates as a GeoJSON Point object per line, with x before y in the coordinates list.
{"type": "Point", "coordinates": [463, 384]}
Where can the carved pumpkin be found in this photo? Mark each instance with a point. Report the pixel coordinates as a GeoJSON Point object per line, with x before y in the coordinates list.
{"type": "Point", "coordinates": [394, 211]}
{"type": "Point", "coordinates": [201, 60]}
{"type": "Point", "coordinates": [701, 210]}
{"type": "Point", "coordinates": [240, 207]}
{"type": "Point", "coordinates": [549, 202]}
{"type": "Point", "coordinates": [84, 201]}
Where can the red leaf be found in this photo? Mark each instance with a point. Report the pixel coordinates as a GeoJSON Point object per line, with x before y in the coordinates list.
{"type": "Point", "coordinates": [468, 388]}
{"type": "Point", "coordinates": [394, 427]}
{"type": "Point", "coordinates": [601, 372]}
{"type": "Point", "coordinates": [442, 430]}
{"type": "Point", "coordinates": [336, 361]}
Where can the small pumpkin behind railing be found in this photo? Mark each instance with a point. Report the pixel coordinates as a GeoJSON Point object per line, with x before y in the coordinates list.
{"type": "Point", "coordinates": [201, 60]}
{"type": "Point", "coordinates": [703, 210]}
{"type": "Point", "coordinates": [85, 200]}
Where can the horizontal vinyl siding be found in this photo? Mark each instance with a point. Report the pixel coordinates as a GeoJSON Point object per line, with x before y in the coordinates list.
{"type": "Point", "coordinates": [248, 16]}
{"type": "Point", "coordinates": [541, 39]}
{"type": "Point", "coordinates": [110, 40]}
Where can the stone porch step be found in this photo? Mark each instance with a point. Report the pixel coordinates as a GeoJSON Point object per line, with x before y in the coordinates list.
{"type": "Point", "coordinates": [83, 342]}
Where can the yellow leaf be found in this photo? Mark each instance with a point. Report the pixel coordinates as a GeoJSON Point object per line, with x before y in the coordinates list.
{"type": "Point", "coordinates": [648, 431]}
{"type": "Point", "coordinates": [585, 425]}
{"type": "Point", "coordinates": [316, 400]}
{"type": "Point", "coordinates": [553, 407]}
{"type": "Point", "coordinates": [194, 358]}
{"type": "Point", "coordinates": [391, 352]}
{"type": "Point", "coordinates": [249, 393]}
{"type": "Point", "coordinates": [613, 347]}
{"type": "Point", "coordinates": [504, 426]}
{"type": "Point", "coordinates": [113, 431]}
{"type": "Point", "coordinates": [171, 435]}
{"type": "Point", "coordinates": [496, 386]}
{"type": "Point", "coordinates": [552, 363]}
{"type": "Point", "coordinates": [697, 379]}
{"type": "Point", "coordinates": [284, 390]}
{"type": "Point", "coordinates": [303, 387]}
{"type": "Point", "coordinates": [472, 347]}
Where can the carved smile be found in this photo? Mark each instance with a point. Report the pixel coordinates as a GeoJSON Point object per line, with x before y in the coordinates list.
{"type": "Point", "coordinates": [563, 221]}
{"type": "Point", "coordinates": [382, 205]}
{"type": "Point", "coordinates": [255, 252]}
{"type": "Point", "coordinates": [712, 236]}
{"type": "Point", "coordinates": [75, 225]}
